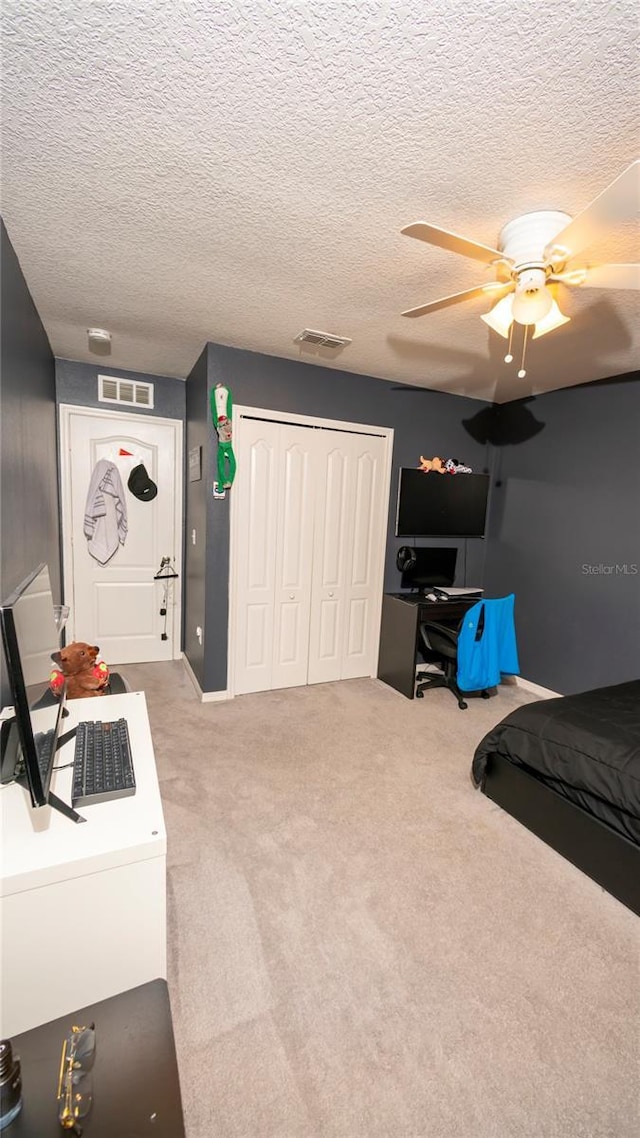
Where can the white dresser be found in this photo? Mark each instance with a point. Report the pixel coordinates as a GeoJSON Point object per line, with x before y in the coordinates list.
{"type": "Point", "coordinates": [83, 906]}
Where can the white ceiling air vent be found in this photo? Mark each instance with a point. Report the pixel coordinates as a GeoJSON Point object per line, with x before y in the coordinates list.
{"type": "Point", "coordinates": [111, 389]}
{"type": "Point", "coordinates": [321, 339]}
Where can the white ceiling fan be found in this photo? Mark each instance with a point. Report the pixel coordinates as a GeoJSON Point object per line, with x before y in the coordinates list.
{"type": "Point", "coordinates": [536, 251]}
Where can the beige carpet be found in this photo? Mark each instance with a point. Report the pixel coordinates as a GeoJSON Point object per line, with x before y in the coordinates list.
{"type": "Point", "coordinates": [362, 945]}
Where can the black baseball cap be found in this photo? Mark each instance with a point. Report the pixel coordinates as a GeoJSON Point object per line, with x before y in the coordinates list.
{"type": "Point", "coordinates": [140, 485]}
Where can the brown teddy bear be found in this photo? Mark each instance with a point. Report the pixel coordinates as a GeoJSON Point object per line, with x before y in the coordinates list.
{"type": "Point", "coordinates": [79, 670]}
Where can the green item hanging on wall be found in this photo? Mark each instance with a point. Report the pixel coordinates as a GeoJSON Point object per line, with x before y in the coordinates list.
{"type": "Point", "coordinates": [221, 413]}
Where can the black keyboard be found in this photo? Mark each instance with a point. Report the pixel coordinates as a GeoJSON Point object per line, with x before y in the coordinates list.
{"type": "Point", "coordinates": [44, 748]}
{"type": "Point", "coordinates": [102, 765]}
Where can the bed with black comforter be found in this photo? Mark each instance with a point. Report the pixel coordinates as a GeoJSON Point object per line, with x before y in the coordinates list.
{"type": "Point", "coordinates": [585, 748]}
{"type": "Point", "coordinates": [582, 750]}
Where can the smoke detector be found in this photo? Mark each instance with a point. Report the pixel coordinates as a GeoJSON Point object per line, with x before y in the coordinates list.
{"type": "Point", "coordinates": [321, 339]}
{"type": "Point", "coordinates": [99, 341]}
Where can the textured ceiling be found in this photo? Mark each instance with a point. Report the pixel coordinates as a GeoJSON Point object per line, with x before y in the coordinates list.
{"type": "Point", "coordinates": [180, 171]}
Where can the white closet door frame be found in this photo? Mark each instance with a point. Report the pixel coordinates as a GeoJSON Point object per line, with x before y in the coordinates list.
{"type": "Point", "coordinates": [240, 412]}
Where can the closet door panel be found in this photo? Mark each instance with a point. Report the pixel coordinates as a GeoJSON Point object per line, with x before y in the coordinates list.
{"type": "Point", "coordinates": [334, 475]}
{"type": "Point", "coordinates": [363, 522]}
{"type": "Point", "coordinates": [294, 557]}
{"type": "Point", "coordinates": [310, 553]}
{"type": "Point", "coordinates": [329, 630]}
{"type": "Point", "coordinates": [256, 488]}
{"type": "Point", "coordinates": [366, 545]}
{"type": "Point", "coordinates": [356, 646]}
{"type": "Point", "coordinates": [257, 638]}
{"type": "Point", "coordinates": [334, 509]}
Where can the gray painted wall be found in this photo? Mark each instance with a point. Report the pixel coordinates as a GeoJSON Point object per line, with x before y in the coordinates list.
{"type": "Point", "coordinates": [30, 506]}
{"type": "Point", "coordinates": [567, 513]}
{"type": "Point", "coordinates": [425, 422]}
{"type": "Point", "coordinates": [77, 383]}
{"type": "Point", "coordinates": [195, 561]}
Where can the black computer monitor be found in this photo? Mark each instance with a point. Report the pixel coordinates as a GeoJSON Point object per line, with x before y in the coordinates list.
{"type": "Point", "coordinates": [441, 505]}
{"type": "Point", "coordinates": [29, 636]}
{"type": "Point", "coordinates": [432, 567]}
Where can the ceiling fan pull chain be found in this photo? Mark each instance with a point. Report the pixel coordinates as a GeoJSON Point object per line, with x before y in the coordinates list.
{"type": "Point", "coordinates": [522, 372]}
{"type": "Point", "coordinates": [509, 357]}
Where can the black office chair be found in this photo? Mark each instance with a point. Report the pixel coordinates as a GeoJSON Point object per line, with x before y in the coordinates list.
{"type": "Point", "coordinates": [439, 645]}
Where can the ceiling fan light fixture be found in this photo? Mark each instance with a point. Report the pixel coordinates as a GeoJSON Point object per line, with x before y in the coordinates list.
{"type": "Point", "coordinates": [529, 308]}
{"type": "Point", "coordinates": [500, 318]}
{"type": "Point", "coordinates": [532, 300]}
{"type": "Point", "coordinates": [554, 319]}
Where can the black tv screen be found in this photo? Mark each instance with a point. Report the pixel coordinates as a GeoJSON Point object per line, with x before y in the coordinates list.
{"type": "Point", "coordinates": [441, 505]}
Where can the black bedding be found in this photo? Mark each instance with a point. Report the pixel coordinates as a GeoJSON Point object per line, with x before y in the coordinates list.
{"type": "Point", "coordinates": [586, 747]}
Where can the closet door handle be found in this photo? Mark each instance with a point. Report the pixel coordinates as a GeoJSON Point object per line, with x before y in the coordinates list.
{"type": "Point", "coordinates": [330, 594]}
{"type": "Point", "coordinates": [292, 596]}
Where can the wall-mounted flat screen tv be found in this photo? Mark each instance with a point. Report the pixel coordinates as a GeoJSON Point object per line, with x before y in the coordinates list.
{"type": "Point", "coordinates": [441, 505]}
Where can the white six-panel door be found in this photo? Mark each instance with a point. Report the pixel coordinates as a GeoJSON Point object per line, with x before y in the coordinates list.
{"type": "Point", "coordinates": [117, 605]}
{"type": "Point", "coordinates": [311, 508]}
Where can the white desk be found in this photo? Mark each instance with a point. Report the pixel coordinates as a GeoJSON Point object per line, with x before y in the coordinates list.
{"type": "Point", "coordinates": [83, 905]}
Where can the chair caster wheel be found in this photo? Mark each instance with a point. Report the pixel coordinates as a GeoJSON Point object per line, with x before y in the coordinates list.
{"type": "Point", "coordinates": [485, 695]}
{"type": "Point", "coordinates": [419, 695]}
{"type": "Point", "coordinates": [462, 705]}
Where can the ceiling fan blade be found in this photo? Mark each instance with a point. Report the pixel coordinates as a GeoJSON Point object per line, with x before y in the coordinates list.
{"type": "Point", "coordinates": [613, 276]}
{"type": "Point", "coordinates": [433, 235]}
{"type": "Point", "coordinates": [493, 289]}
{"type": "Point", "coordinates": [614, 205]}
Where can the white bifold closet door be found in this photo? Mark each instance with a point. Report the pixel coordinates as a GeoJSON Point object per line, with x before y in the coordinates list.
{"type": "Point", "coordinates": [274, 491]}
{"type": "Point", "coordinates": [311, 532]}
{"type": "Point", "coordinates": [349, 536]}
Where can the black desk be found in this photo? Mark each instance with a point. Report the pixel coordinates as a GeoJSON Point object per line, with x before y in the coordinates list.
{"type": "Point", "coordinates": [136, 1091]}
{"type": "Point", "coordinates": [402, 614]}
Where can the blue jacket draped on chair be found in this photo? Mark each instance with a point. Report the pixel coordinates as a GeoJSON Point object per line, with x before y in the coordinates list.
{"type": "Point", "coordinates": [486, 653]}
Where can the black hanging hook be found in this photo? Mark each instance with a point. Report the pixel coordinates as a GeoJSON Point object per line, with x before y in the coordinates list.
{"type": "Point", "coordinates": [165, 572]}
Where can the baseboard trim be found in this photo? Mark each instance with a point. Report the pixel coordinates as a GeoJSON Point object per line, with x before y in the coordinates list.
{"type": "Point", "coordinates": [221, 696]}
{"type": "Point", "coordinates": [204, 696]}
{"type": "Point", "coordinates": [215, 696]}
{"type": "Point", "coordinates": [536, 689]}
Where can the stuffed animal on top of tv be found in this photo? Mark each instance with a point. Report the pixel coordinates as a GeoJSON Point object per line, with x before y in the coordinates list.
{"type": "Point", "coordinates": [81, 671]}
{"type": "Point", "coordinates": [443, 466]}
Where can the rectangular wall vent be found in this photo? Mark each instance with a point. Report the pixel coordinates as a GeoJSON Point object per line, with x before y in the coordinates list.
{"type": "Point", "coordinates": [321, 339]}
{"type": "Point", "coordinates": [125, 391]}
